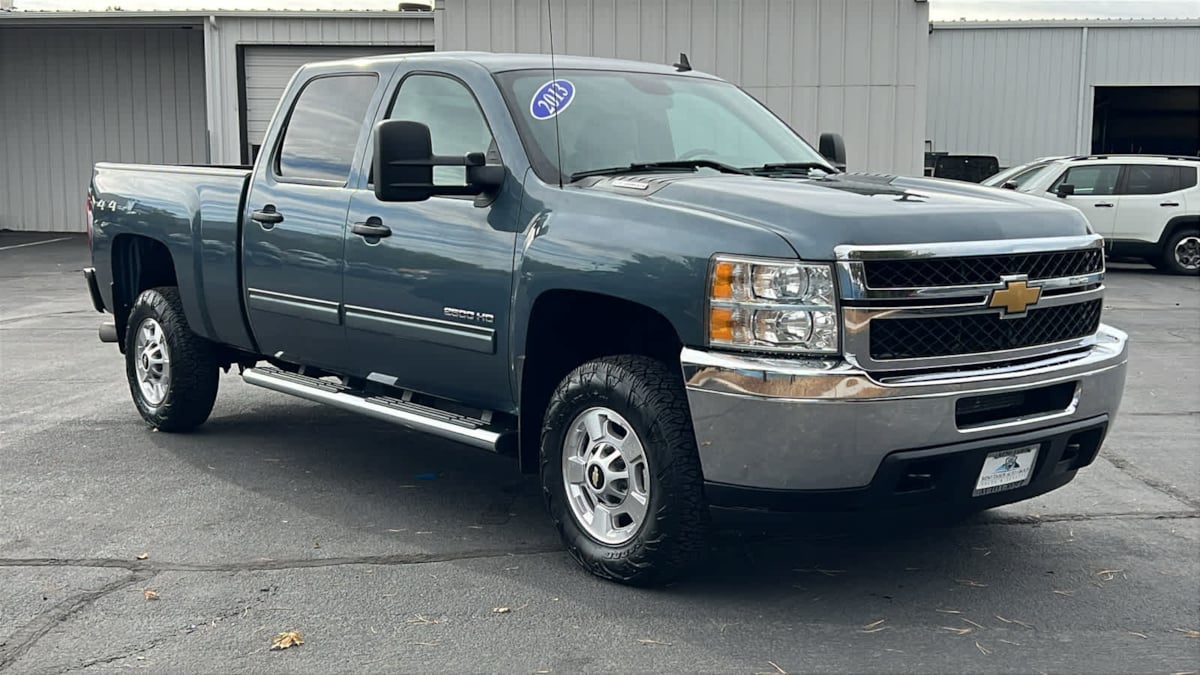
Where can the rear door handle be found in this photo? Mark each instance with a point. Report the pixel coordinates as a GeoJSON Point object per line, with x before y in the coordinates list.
{"type": "Point", "coordinates": [1103, 205]}
{"type": "Point", "coordinates": [1169, 204]}
{"type": "Point", "coordinates": [267, 216]}
{"type": "Point", "coordinates": [372, 229]}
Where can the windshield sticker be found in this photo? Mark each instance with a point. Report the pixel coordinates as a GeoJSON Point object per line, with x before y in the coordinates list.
{"type": "Point", "coordinates": [551, 98]}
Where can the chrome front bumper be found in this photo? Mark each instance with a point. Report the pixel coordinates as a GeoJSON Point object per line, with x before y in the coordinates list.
{"type": "Point", "coordinates": [788, 424]}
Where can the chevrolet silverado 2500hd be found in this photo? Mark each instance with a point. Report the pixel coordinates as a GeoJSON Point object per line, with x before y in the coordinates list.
{"type": "Point", "coordinates": [633, 278]}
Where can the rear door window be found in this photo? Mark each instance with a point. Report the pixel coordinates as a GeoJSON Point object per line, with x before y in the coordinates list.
{"type": "Point", "coordinates": [1150, 179]}
{"type": "Point", "coordinates": [322, 131]}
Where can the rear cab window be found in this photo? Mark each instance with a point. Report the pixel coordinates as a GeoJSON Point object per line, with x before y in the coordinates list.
{"type": "Point", "coordinates": [322, 131]}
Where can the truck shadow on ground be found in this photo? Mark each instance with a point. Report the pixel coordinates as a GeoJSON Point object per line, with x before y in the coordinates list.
{"type": "Point", "coordinates": [363, 475]}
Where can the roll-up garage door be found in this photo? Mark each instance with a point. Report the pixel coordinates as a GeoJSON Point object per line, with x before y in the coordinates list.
{"type": "Point", "coordinates": [266, 71]}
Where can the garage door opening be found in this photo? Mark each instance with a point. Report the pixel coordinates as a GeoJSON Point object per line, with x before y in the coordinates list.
{"type": "Point", "coordinates": [1153, 120]}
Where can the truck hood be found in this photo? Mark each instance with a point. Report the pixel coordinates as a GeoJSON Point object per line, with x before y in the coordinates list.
{"type": "Point", "coordinates": [816, 215]}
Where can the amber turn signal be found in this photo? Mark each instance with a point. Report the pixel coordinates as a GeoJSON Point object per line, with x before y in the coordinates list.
{"type": "Point", "coordinates": [722, 285]}
{"type": "Point", "coordinates": [720, 324]}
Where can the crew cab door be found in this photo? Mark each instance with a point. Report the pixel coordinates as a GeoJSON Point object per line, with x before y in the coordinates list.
{"type": "Point", "coordinates": [1150, 195]}
{"type": "Point", "coordinates": [1095, 190]}
{"type": "Point", "coordinates": [293, 237]}
{"type": "Point", "coordinates": [427, 302]}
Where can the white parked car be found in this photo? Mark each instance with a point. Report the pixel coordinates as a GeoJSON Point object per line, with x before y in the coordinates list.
{"type": "Point", "coordinates": [1145, 206]}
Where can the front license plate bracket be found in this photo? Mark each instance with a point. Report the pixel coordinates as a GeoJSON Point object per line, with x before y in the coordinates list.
{"type": "Point", "coordinates": [1007, 469]}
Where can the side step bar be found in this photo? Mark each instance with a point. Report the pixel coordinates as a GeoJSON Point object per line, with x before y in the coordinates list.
{"type": "Point", "coordinates": [468, 430]}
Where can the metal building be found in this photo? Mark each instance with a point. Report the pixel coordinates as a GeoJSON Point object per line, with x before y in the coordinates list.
{"type": "Point", "coordinates": [1022, 90]}
{"type": "Point", "coordinates": [197, 87]}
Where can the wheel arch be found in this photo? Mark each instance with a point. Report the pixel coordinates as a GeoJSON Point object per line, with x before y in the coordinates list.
{"type": "Point", "coordinates": [138, 263]}
{"type": "Point", "coordinates": [1174, 225]}
{"type": "Point", "coordinates": [548, 355]}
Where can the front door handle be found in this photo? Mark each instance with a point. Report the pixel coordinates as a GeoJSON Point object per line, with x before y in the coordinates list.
{"type": "Point", "coordinates": [1169, 204]}
{"type": "Point", "coordinates": [372, 229]}
{"type": "Point", "coordinates": [267, 216]}
{"type": "Point", "coordinates": [1103, 205]}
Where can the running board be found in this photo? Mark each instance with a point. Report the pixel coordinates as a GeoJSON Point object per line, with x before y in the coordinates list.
{"type": "Point", "coordinates": [468, 430]}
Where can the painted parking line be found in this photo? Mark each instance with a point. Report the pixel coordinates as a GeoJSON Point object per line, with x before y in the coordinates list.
{"type": "Point", "coordinates": [34, 243]}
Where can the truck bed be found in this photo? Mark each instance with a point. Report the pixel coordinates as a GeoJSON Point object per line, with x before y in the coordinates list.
{"type": "Point", "coordinates": [188, 209]}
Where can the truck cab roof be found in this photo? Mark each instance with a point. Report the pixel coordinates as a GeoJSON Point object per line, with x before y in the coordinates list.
{"type": "Point", "coordinates": [497, 62]}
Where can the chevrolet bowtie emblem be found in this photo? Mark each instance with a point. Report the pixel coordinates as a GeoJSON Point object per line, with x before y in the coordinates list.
{"type": "Point", "coordinates": [1016, 297]}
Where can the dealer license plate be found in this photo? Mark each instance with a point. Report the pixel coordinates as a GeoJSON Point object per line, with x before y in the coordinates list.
{"type": "Point", "coordinates": [1006, 470]}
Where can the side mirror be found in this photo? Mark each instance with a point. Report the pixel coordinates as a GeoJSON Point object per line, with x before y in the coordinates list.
{"type": "Point", "coordinates": [404, 161]}
{"type": "Point", "coordinates": [1064, 190]}
{"type": "Point", "coordinates": [1009, 185]}
{"type": "Point", "coordinates": [833, 148]}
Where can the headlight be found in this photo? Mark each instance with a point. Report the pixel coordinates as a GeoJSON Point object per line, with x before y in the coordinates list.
{"type": "Point", "coordinates": [772, 305]}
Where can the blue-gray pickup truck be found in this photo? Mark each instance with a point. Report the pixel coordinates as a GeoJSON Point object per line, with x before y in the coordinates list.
{"type": "Point", "coordinates": [634, 279]}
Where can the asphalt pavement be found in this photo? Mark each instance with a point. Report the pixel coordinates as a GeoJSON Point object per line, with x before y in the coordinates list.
{"type": "Point", "coordinates": [388, 551]}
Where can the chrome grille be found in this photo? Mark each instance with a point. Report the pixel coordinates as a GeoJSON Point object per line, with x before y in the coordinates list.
{"type": "Point", "coordinates": [977, 333]}
{"type": "Point", "coordinates": [927, 306]}
{"type": "Point", "coordinates": [965, 271]}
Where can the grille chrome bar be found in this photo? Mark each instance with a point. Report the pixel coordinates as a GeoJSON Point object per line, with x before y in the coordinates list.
{"type": "Point", "coordinates": [945, 331]}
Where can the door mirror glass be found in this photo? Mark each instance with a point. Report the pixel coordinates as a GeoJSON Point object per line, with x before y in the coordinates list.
{"type": "Point", "coordinates": [833, 148]}
{"type": "Point", "coordinates": [1064, 190]}
{"type": "Point", "coordinates": [403, 170]}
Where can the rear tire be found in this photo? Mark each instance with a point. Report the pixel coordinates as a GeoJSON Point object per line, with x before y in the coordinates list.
{"type": "Point", "coordinates": [618, 445]}
{"type": "Point", "coordinates": [1181, 254]}
{"type": "Point", "coordinates": [172, 372]}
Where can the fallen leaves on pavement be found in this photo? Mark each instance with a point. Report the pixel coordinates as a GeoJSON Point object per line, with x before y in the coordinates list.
{"type": "Point", "coordinates": [1109, 575]}
{"type": "Point", "coordinates": [958, 631]}
{"type": "Point", "coordinates": [818, 570]}
{"type": "Point", "coordinates": [1019, 623]}
{"type": "Point", "coordinates": [648, 642]}
{"type": "Point", "coordinates": [423, 621]}
{"type": "Point", "coordinates": [143, 556]}
{"type": "Point", "coordinates": [982, 650]}
{"type": "Point", "coordinates": [1188, 632]}
{"type": "Point", "coordinates": [1066, 593]}
{"type": "Point", "coordinates": [150, 595]}
{"type": "Point", "coordinates": [971, 582]}
{"type": "Point", "coordinates": [1141, 635]}
{"type": "Point", "coordinates": [287, 639]}
{"type": "Point", "coordinates": [501, 610]}
{"type": "Point", "coordinates": [874, 626]}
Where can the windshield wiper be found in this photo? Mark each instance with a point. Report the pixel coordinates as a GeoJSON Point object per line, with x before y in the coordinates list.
{"type": "Point", "coordinates": [788, 167]}
{"type": "Point", "coordinates": [674, 165]}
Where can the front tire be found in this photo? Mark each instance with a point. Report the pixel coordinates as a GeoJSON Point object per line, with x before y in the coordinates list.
{"type": "Point", "coordinates": [620, 471]}
{"type": "Point", "coordinates": [172, 372]}
{"type": "Point", "coordinates": [1181, 254]}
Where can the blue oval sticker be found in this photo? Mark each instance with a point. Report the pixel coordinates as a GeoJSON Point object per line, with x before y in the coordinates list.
{"type": "Point", "coordinates": [551, 98]}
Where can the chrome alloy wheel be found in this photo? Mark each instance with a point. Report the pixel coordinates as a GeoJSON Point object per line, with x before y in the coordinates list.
{"type": "Point", "coordinates": [152, 362]}
{"type": "Point", "coordinates": [1187, 252]}
{"type": "Point", "coordinates": [606, 476]}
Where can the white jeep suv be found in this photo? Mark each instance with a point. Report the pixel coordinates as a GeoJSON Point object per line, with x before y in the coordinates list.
{"type": "Point", "coordinates": [1145, 206]}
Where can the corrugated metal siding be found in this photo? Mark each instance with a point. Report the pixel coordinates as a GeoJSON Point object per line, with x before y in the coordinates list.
{"type": "Point", "coordinates": [1013, 93]}
{"type": "Point", "coordinates": [1016, 92]}
{"type": "Point", "coordinates": [850, 66]}
{"type": "Point", "coordinates": [72, 97]}
{"type": "Point", "coordinates": [230, 32]}
{"type": "Point", "coordinates": [1147, 56]}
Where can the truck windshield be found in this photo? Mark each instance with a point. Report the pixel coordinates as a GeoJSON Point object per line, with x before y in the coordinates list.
{"type": "Point", "coordinates": [610, 119]}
